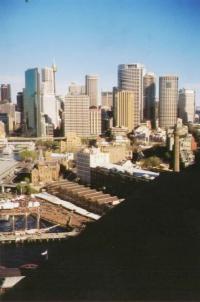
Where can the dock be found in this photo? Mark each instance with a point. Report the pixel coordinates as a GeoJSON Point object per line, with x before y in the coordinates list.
{"type": "Point", "coordinates": [7, 237]}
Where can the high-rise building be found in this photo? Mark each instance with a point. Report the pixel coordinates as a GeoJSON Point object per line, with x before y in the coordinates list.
{"type": "Point", "coordinates": [32, 102]}
{"type": "Point", "coordinates": [5, 92]}
{"type": "Point", "coordinates": [76, 115]}
{"type": "Point", "coordinates": [186, 105]}
{"type": "Point", "coordinates": [107, 99]}
{"type": "Point", "coordinates": [95, 121]}
{"type": "Point", "coordinates": [49, 104]}
{"type": "Point", "coordinates": [76, 89]}
{"type": "Point", "coordinates": [9, 110]}
{"type": "Point", "coordinates": [20, 105]}
{"type": "Point", "coordinates": [124, 109]}
{"type": "Point", "coordinates": [47, 78]}
{"type": "Point", "coordinates": [130, 77]}
{"type": "Point", "coordinates": [54, 67]}
{"type": "Point", "coordinates": [168, 101]}
{"type": "Point", "coordinates": [149, 95]}
{"type": "Point", "coordinates": [20, 102]}
{"type": "Point", "coordinates": [92, 89]}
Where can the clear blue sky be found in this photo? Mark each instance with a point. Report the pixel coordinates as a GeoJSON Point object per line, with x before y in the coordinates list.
{"type": "Point", "coordinates": [94, 36]}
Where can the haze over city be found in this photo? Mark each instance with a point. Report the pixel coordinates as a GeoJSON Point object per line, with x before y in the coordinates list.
{"type": "Point", "coordinates": [87, 37]}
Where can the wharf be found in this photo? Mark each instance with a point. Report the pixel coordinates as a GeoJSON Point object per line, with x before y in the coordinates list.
{"type": "Point", "coordinates": [24, 237]}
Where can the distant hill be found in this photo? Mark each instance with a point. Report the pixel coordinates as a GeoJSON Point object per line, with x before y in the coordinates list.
{"type": "Point", "coordinates": [147, 248]}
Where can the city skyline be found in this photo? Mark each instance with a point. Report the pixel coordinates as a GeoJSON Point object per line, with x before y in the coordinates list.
{"type": "Point", "coordinates": [85, 37]}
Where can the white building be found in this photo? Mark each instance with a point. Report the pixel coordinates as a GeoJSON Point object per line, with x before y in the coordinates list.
{"type": "Point", "coordinates": [49, 104]}
{"type": "Point", "coordinates": [142, 133]}
{"type": "Point", "coordinates": [90, 158]}
{"type": "Point", "coordinates": [186, 105]}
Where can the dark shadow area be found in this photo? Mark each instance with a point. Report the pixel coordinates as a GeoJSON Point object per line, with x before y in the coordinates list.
{"type": "Point", "coordinates": [147, 248]}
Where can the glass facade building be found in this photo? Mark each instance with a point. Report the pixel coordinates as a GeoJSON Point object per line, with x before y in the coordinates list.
{"type": "Point", "coordinates": [32, 100]}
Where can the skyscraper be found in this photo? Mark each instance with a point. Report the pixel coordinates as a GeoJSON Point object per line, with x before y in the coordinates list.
{"type": "Point", "coordinates": [149, 94]}
{"type": "Point", "coordinates": [76, 89]}
{"type": "Point", "coordinates": [130, 77]}
{"type": "Point", "coordinates": [168, 100]}
{"type": "Point", "coordinates": [5, 92]}
{"type": "Point", "coordinates": [47, 78]}
{"type": "Point", "coordinates": [54, 67]}
{"type": "Point", "coordinates": [32, 106]}
{"type": "Point", "coordinates": [92, 89]}
{"type": "Point", "coordinates": [76, 115]}
{"type": "Point", "coordinates": [20, 105]}
{"type": "Point", "coordinates": [186, 105]}
{"type": "Point", "coordinates": [124, 109]}
{"type": "Point", "coordinates": [107, 99]}
{"type": "Point", "coordinates": [49, 104]}
{"type": "Point", "coordinates": [20, 102]}
{"type": "Point", "coordinates": [95, 121]}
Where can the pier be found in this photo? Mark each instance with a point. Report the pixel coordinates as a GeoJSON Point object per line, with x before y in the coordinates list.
{"type": "Point", "coordinates": [20, 236]}
{"type": "Point", "coordinates": [22, 211]}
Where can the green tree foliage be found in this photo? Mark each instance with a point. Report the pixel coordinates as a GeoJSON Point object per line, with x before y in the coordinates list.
{"type": "Point", "coordinates": [28, 155]}
{"type": "Point", "coordinates": [25, 189]}
{"type": "Point", "coordinates": [48, 145]}
{"type": "Point", "coordinates": [151, 162]}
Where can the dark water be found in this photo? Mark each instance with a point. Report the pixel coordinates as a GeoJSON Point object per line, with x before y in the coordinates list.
{"type": "Point", "coordinates": [17, 254]}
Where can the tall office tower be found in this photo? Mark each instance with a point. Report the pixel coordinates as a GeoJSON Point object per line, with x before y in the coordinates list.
{"type": "Point", "coordinates": [5, 92]}
{"type": "Point", "coordinates": [32, 102]}
{"type": "Point", "coordinates": [7, 112]}
{"type": "Point", "coordinates": [186, 105]}
{"type": "Point", "coordinates": [168, 101]}
{"type": "Point", "coordinates": [49, 104]}
{"type": "Point", "coordinates": [130, 77]}
{"type": "Point", "coordinates": [149, 95]}
{"type": "Point", "coordinates": [55, 69]}
{"type": "Point", "coordinates": [47, 78]}
{"type": "Point", "coordinates": [76, 89]}
{"type": "Point", "coordinates": [92, 89]}
{"type": "Point", "coordinates": [107, 99]}
{"type": "Point", "coordinates": [20, 105]}
{"type": "Point", "coordinates": [95, 121]}
{"type": "Point", "coordinates": [124, 109]}
{"type": "Point", "coordinates": [76, 115]}
{"type": "Point", "coordinates": [20, 102]}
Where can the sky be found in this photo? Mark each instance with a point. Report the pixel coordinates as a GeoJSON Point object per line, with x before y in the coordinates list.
{"type": "Point", "coordinates": [94, 36]}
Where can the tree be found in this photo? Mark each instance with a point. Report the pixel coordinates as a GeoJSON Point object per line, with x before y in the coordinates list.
{"type": "Point", "coordinates": [28, 155]}
{"type": "Point", "coordinates": [48, 144]}
{"type": "Point", "coordinates": [151, 162]}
